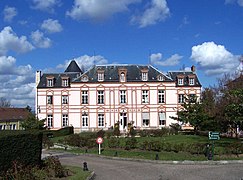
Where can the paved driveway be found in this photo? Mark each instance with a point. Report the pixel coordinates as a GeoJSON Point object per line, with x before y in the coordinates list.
{"type": "Point", "coordinates": [116, 169]}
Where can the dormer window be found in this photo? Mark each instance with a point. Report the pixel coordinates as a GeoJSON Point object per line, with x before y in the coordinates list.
{"type": "Point", "coordinates": [122, 74]}
{"type": "Point", "coordinates": [50, 82]}
{"type": "Point", "coordinates": [100, 75]}
{"type": "Point", "coordinates": [144, 74]}
{"type": "Point", "coordinates": [160, 78]}
{"type": "Point", "coordinates": [191, 81]}
{"type": "Point", "coordinates": [180, 81]}
{"type": "Point", "coordinates": [122, 77]}
{"type": "Point", "coordinates": [85, 78]}
{"type": "Point", "coordinates": [65, 82]}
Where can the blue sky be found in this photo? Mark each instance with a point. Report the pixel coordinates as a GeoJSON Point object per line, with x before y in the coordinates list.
{"type": "Point", "coordinates": [169, 34]}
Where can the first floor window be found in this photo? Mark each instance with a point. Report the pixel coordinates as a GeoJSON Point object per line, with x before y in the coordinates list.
{"type": "Point", "coordinates": [49, 120]}
{"type": "Point", "coordinates": [145, 117]}
{"type": "Point", "coordinates": [84, 120]}
{"type": "Point", "coordinates": [64, 120]}
{"type": "Point", "coordinates": [145, 96]}
{"type": "Point", "coordinates": [100, 120]}
{"type": "Point", "coordinates": [162, 120]}
{"type": "Point", "coordinates": [84, 97]}
{"type": "Point", "coordinates": [122, 96]}
{"type": "Point", "coordinates": [181, 98]}
{"type": "Point", "coordinates": [161, 95]}
{"type": "Point", "coordinates": [100, 97]}
{"type": "Point", "coordinates": [49, 99]}
{"type": "Point", "coordinates": [65, 99]}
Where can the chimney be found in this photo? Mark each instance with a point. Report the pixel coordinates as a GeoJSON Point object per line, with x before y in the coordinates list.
{"type": "Point", "coordinates": [37, 77]}
{"type": "Point", "coordinates": [193, 68]}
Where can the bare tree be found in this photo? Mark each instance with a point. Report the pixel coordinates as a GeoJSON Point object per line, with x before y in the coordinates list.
{"type": "Point", "coordinates": [4, 102]}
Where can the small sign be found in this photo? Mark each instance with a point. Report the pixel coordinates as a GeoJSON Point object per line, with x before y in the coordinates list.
{"type": "Point", "coordinates": [213, 136]}
{"type": "Point", "coordinates": [99, 140]}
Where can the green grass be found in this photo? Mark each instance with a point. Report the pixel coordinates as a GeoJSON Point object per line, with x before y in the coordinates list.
{"type": "Point", "coordinates": [78, 173]}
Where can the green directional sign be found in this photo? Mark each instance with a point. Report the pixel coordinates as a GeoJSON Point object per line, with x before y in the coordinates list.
{"type": "Point", "coordinates": [213, 136]}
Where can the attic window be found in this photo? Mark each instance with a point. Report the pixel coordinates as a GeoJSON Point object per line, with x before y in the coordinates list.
{"type": "Point", "coordinates": [180, 81]}
{"type": "Point", "coordinates": [65, 82]}
{"type": "Point", "coordinates": [100, 76]}
{"type": "Point", "coordinates": [50, 81]}
{"type": "Point", "coordinates": [122, 77]}
{"type": "Point", "coordinates": [191, 81]}
{"type": "Point", "coordinates": [85, 78]}
{"type": "Point", "coordinates": [160, 78]}
{"type": "Point", "coordinates": [122, 74]}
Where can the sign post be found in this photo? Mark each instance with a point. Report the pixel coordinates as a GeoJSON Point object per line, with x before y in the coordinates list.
{"type": "Point", "coordinates": [213, 136]}
{"type": "Point", "coordinates": [99, 141]}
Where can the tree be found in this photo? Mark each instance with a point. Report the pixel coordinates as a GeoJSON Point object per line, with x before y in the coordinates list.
{"type": "Point", "coordinates": [31, 123]}
{"type": "Point", "coordinates": [4, 102]}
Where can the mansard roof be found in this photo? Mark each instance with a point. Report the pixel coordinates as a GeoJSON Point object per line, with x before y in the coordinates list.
{"type": "Point", "coordinates": [73, 67]}
{"type": "Point", "coordinates": [185, 75]}
{"type": "Point", "coordinates": [133, 73]}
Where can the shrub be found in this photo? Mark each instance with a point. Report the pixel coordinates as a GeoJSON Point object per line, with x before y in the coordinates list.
{"type": "Point", "coordinates": [131, 143]}
{"type": "Point", "coordinates": [54, 167]}
{"type": "Point", "coordinates": [100, 133]}
{"type": "Point", "coordinates": [114, 142]}
{"type": "Point", "coordinates": [116, 131]}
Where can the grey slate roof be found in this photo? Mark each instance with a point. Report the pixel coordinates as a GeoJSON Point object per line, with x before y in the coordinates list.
{"type": "Point", "coordinates": [186, 74]}
{"type": "Point", "coordinates": [73, 67]}
{"type": "Point", "coordinates": [111, 73]}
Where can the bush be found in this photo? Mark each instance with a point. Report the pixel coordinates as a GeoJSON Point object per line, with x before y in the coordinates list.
{"type": "Point", "coordinates": [54, 167]}
{"type": "Point", "coordinates": [116, 131]}
{"type": "Point", "coordinates": [100, 133]}
{"type": "Point", "coordinates": [131, 143]}
{"type": "Point", "coordinates": [114, 142]}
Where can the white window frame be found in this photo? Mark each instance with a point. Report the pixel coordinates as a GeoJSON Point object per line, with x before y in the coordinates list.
{"type": "Point", "coordinates": [161, 96]}
{"type": "Point", "coordinates": [100, 76]}
{"type": "Point", "coordinates": [191, 81]}
{"type": "Point", "coordinates": [162, 119]}
{"type": "Point", "coordinates": [145, 96]}
{"type": "Point", "coordinates": [180, 81]}
{"type": "Point", "coordinates": [64, 120]}
{"type": "Point", "coordinates": [64, 99]}
{"type": "Point", "coordinates": [50, 83]}
{"type": "Point", "coordinates": [181, 98]}
{"type": "Point", "coordinates": [101, 120]}
{"type": "Point", "coordinates": [122, 77]}
{"type": "Point", "coordinates": [145, 119]}
{"type": "Point", "coordinates": [49, 120]}
{"type": "Point", "coordinates": [100, 97]}
{"type": "Point", "coordinates": [85, 120]}
{"type": "Point", "coordinates": [49, 99]}
{"type": "Point", "coordinates": [65, 82]}
{"type": "Point", "coordinates": [123, 96]}
{"type": "Point", "coordinates": [85, 99]}
{"type": "Point", "coordinates": [144, 76]}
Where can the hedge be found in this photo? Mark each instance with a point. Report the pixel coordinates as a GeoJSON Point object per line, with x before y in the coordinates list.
{"type": "Point", "coordinates": [21, 146]}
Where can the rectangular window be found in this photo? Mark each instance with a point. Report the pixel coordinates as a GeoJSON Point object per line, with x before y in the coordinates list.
{"type": "Point", "coordinates": [145, 117]}
{"type": "Point", "coordinates": [49, 82]}
{"type": "Point", "coordinates": [162, 120]}
{"type": "Point", "coordinates": [122, 77]}
{"type": "Point", "coordinates": [144, 76]}
{"type": "Point", "coordinates": [180, 98]}
{"type": "Point", "coordinates": [123, 96]}
{"type": "Point", "coordinates": [100, 76]}
{"type": "Point", "coordinates": [65, 82]}
{"type": "Point", "coordinates": [100, 120]}
{"type": "Point", "coordinates": [64, 120]}
{"type": "Point", "coordinates": [180, 81]}
{"type": "Point", "coordinates": [64, 99]}
{"type": "Point", "coordinates": [191, 81]}
{"type": "Point", "coordinates": [1, 127]}
{"type": "Point", "coordinates": [100, 97]}
{"type": "Point", "coordinates": [145, 98]}
{"type": "Point", "coordinates": [84, 97]}
{"type": "Point", "coordinates": [49, 99]}
{"type": "Point", "coordinates": [161, 96]}
{"type": "Point", "coordinates": [85, 120]}
{"type": "Point", "coordinates": [14, 126]}
{"type": "Point", "coordinates": [49, 120]}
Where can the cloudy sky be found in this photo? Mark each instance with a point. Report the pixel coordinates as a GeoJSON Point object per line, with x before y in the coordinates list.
{"type": "Point", "coordinates": [169, 34]}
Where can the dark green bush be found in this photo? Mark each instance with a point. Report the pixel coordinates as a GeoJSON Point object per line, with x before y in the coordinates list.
{"type": "Point", "coordinates": [114, 142]}
{"type": "Point", "coordinates": [131, 143]}
{"type": "Point", "coordinates": [21, 146]}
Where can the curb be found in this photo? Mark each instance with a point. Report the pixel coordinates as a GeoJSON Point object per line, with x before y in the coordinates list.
{"type": "Point", "coordinates": [92, 176]}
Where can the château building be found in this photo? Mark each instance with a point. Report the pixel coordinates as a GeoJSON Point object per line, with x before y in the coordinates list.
{"type": "Point", "coordinates": [106, 94]}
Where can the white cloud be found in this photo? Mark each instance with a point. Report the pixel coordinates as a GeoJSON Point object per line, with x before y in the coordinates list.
{"type": "Point", "coordinates": [240, 2]}
{"type": "Point", "coordinates": [46, 5]}
{"type": "Point", "coordinates": [39, 40]}
{"type": "Point", "coordinates": [98, 9]}
{"type": "Point", "coordinates": [10, 41]}
{"type": "Point", "coordinates": [17, 82]}
{"type": "Point", "coordinates": [156, 59]}
{"type": "Point", "coordinates": [85, 61]}
{"type": "Point", "coordinates": [214, 59]}
{"type": "Point", "coordinates": [51, 26]}
{"type": "Point", "coordinates": [9, 13]}
{"type": "Point", "coordinates": [158, 11]}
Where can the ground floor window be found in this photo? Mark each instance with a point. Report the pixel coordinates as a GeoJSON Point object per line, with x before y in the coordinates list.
{"type": "Point", "coordinates": [64, 120]}
{"type": "Point", "coordinates": [100, 120]}
{"type": "Point", "coordinates": [84, 120]}
{"type": "Point", "coordinates": [49, 120]}
{"type": "Point", "coordinates": [162, 119]}
{"type": "Point", "coordinates": [145, 117]}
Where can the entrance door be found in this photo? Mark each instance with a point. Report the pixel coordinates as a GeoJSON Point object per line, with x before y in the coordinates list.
{"type": "Point", "coordinates": [123, 121]}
